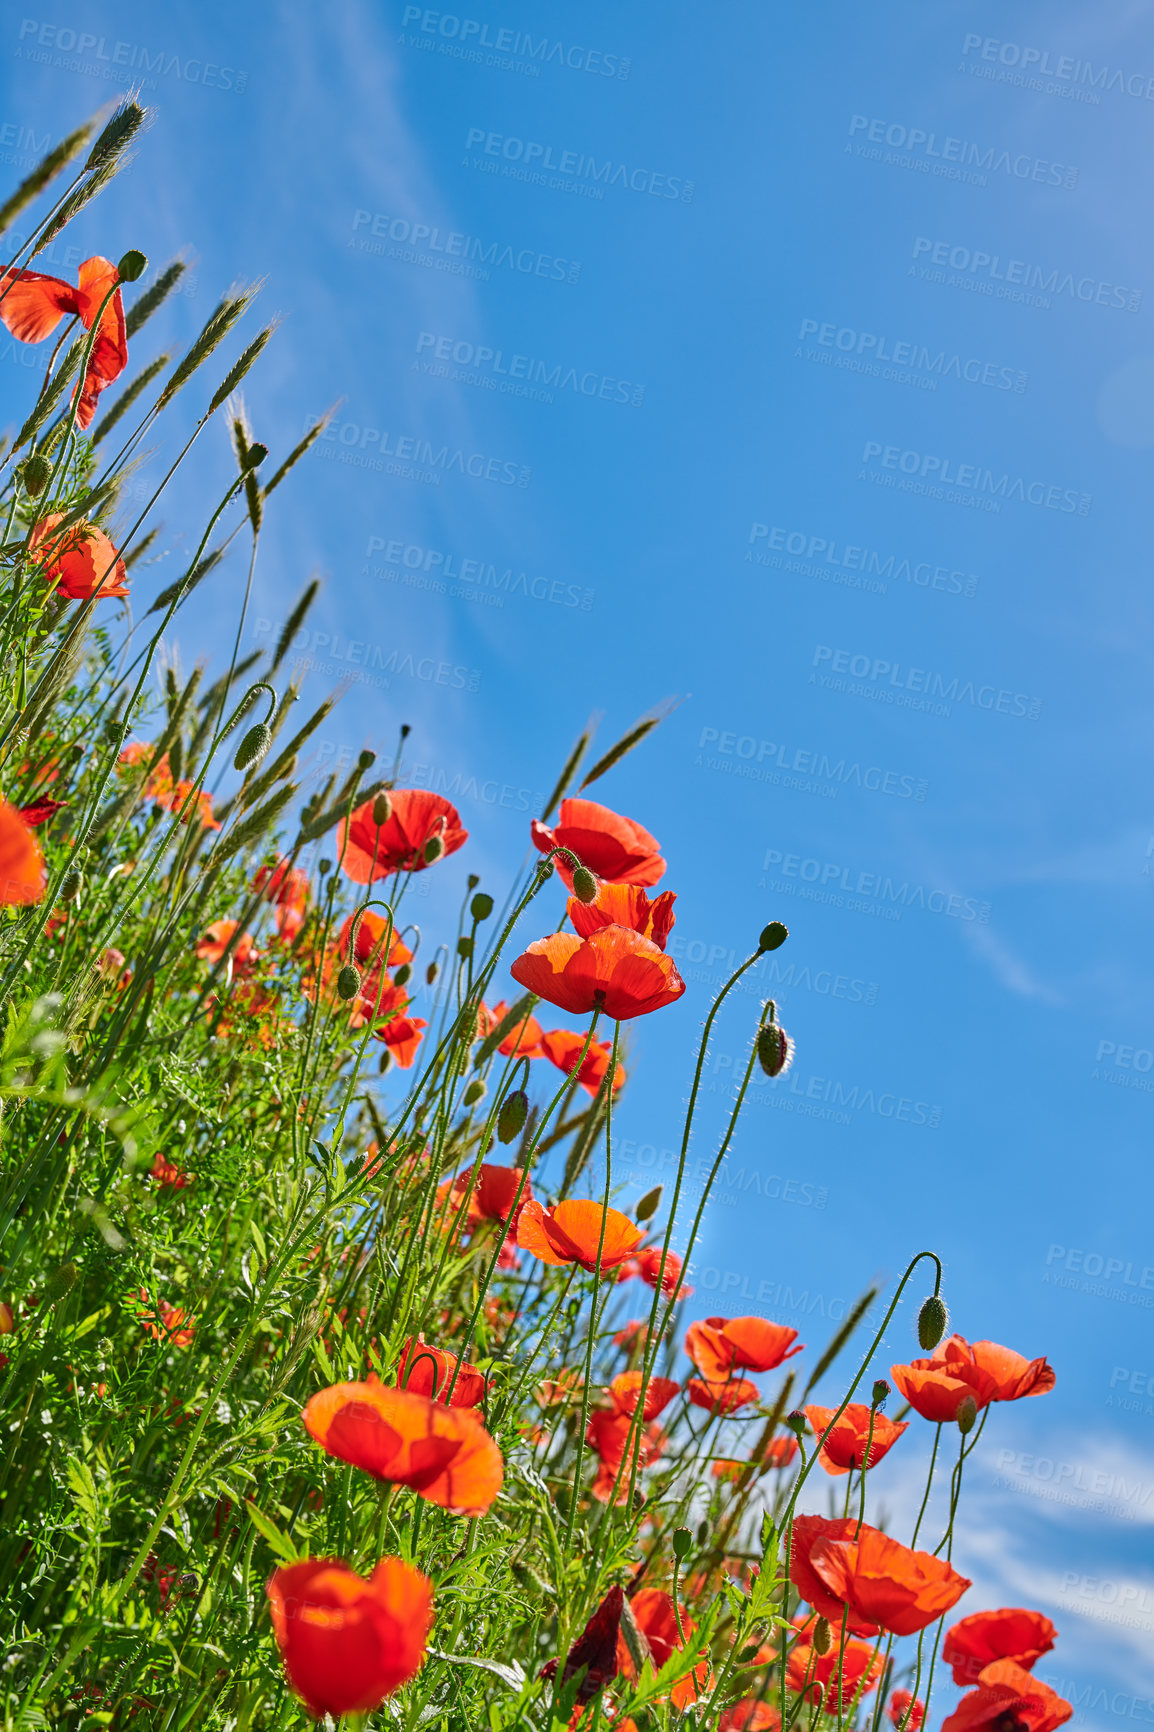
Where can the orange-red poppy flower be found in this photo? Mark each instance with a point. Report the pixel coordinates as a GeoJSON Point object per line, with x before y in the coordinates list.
{"type": "Point", "coordinates": [38, 812]}
{"type": "Point", "coordinates": [564, 1048]}
{"type": "Point", "coordinates": [426, 1370]}
{"type": "Point", "coordinates": [936, 1387]}
{"type": "Point", "coordinates": [612, 847]}
{"type": "Point", "coordinates": [652, 1265]}
{"type": "Point", "coordinates": [905, 1711]}
{"type": "Point", "coordinates": [610, 1431]}
{"type": "Point", "coordinates": [624, 905]}
{"type": "Point", "coordinates": [806, 1533]}
{"type": "Point", "coordinates": [839, 1677]}
{"type": "Point", "coordinates": [720, 1345]}
{"type": "Point", "coordinates": [165, 1322]}
{"type": "Point", "coordinates": [1009, 1699]}
{"type": "Point", "coordinates": [21, 862]}
{"type": "Point", "coordinates": [443, 1453]}
{"type": "Point", "coordinates": [347, 1643]}
{"type": "Point", "coordinates": [724, 1397]}
{"type": "Point", "coordinates": [595, 1649]}
{"type": "Point", "coordinates": [523, 1039]}
{"type": "Point", "coordinates": [371, 934]}
{"type": "Point", "coordinates": [32, 305]}
{"type": "Point", "coordinates": [1010, 1633]}
{"type": "Point", "coordinates": [7, 1318]}
{"type": "Point", "coordinates": [777, 1453]}
{"type": "Point", "coordinates": [492, 1198]}
{"type": "Point", "coordinates": [572, 1231]}
{"type": "Point", "coordinates": [749, 1715]}
{"type": "Point", "coordinates": [656, 1618]}
{"type": "Point", "coordinates": [845, 1447]}
{"type": "Point", "coordinates": [216, 940]}
{"type": "Point", "coordinates": [616, 970]}
{"type": "Point", "coordinates": [287, 887]}
{"type": "Point", "coordinates": [626, 1387]}
{"type": "Point", "coordinates": [367, 851]}
{"type": "Point", "coordinates": [400, 1032]}
{"type": "Point", "coordinates": [168, 1176]}
{"type": "Point", "coordinates": [884, 1583]}
{"type": "Point", "coordinates": [80, 561]}
{"type": "Point", "coordinates": [632, 1336]}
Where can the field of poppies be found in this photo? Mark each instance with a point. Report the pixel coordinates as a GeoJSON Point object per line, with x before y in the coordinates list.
{"type": "Point", "coordinates": [334, 1383]}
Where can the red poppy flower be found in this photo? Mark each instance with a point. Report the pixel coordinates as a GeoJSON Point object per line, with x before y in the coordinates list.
{"type": "Point", "coordinates": [215, 942]}
{"type": "Point", "coordinates": [720, 1345]}
{"type": "Point", "coordinates": [39, 811]}
{"type": "Point", "coordinates": [282, 882]}
{"type": "Point", "coordinates": [1009, 1699]}
{"type": "Point", "coordinates": [749, 1715]}
{"type": "Point", "coordinates": [633, 1335]}
{"type": "Point", "coordinates": [1011, 1633]}
{"type": "Point", "coordinates": [807, 1532]}
{"type": "Point", "coordinates": [31, 305]}
{"type": "Point", "coordinates": [654, 1615]}
{"type": "Point", "coordinates": [840, 1677]}
{"type": "Point", "coordinates": [724, 1397]}
{"type": "Point", "coordinates": [563, 1048]}
{"type": "Point", "coordinates": [779, 1452]}
{"type": "Point", "coordinates": [882, 1582]}
{"type": "Point", "coordinates": [168, 1176]}
{"type": "Point", "coordinates": [845, 1447]}
{"type": "Point", "coordinates": [612, 847]}
{"type": "Point", "coordinates": [443, 1453]}
{"type": "Point", "coordinates": [80, 561]}
{"type": "Point", "coordinates": [523, 1039]}
{"type": "Point", "coordinates": [571, 1232]}
{"type": "Point", "coordinates": [905, 1711]}
{"type": "Point", "coordinates": [651, 1267]}
{"type": "Point", "coordinates": [616, 970]}
{"type": "Point", "coordinates": [624, 905]}
{"type": "Point", "coordinates": [626, 1387]}
{"type": "Point", "coordinates": [371, 935]}
{"type": "Point", "coordinates": [347, 1643]}
{"type": "Point", "coordinates": [936, 1387]}
{"type": "Point", "coordinates": [425, 1370]}
{"type": "Point", "coordinates": [165, 1322]}
{"type": "Point", "coordinates": [400, 1032]}
{"type": "Point", "coordinates": [367, 851]}
{"type": "Point", "coordinates": [21, 862]}
{"type": "Point", "coordinates": [608, 1434]}
{"type": "Point", "coordinates": [595, 1649]}
{"type": "Point", "coordinates": [492, 1198]}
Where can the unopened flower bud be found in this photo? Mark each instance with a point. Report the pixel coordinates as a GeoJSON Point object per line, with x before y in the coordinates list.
{"type": "Point", "coordinates": [881, 1390]}
{"type": "Point", "coordinates": [403, 975]}
{"type": "Point", "coordinates": [37, 472]}
{"type": "Point", "coordinates": [348, 982]}
{"type": "Point", "coordinates": [382, 809]}
{"type": "Point", "coordinates": [472, 881]}
{"type": "Point", "coordinates": [474, 1093]}
{"type": "Point", "coordinates": [822, 1636]}
{"type": "Point", "coordinates": [7, 1318]}
{"type": "Point", "coordinates": [481, 906]}
{"type": "Point", "coordinates": [434, 848]}
{"type": "Point", "coordinates": [324, 867]}
{"type": "Point", "coordinates": [511, 1118]}
{"type": "Point", "coordinates": [366, 759]}
{"type": "Point", "coordinates": [682, 1544]}
{"type": "Point", "coordinates": [967, 1414]}
{"type": "Point", "coordinates": [773, 936]}
{"type": "Point", "coordinates": [796, 1422]}
{"type": "Point", "coordinates": [545, 869]}
{"type": "Point", "coordinates": [253, 747]}
{"type": "Point", "coordinates": [933, 1321]}
{"type": "Point", "coordinates": [72, 885]}
{"type": "Point", "coordinates": [584, 884]}
{"type": "Point", "coordinates": [774, 1050]}
{"type": "Point", "coordinates": [431, 973]}
{"type": "Point", "coordinates": [465, 947]}
{"type": "Point", "coordinates": [132, 266]}
{"type": "Point", "coordinates": [384, 1061]}
{"type": "Point", "coordinates": [649, 1204]}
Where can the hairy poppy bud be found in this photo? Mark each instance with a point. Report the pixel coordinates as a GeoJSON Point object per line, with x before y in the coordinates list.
{"type": "Point", "coordinates": [431, 973]}
{"type": "Point", "coordinates": [545, 869]}
{"type": "Point", "coordinates": [132, 266]}
{"type": "Point", "coordinates": [255, 456]}
{"type": "Point", "coordinates": [382, 809]}
{"type": "Point", "coordinates": [796, 1423]}
{"type": "Point", "coordinates": [822, 1636]}
{"type": "Point", "coordinates": [324, 867]}
{"type": "Point", "coordinates": [773, 936]}
{"type": "Point", "coordinates": [71, 887]}
{"type": "Point", "coordinates": [933, 1321]}
{"type": "Point", "coordinates": [481, 906]}
{"type": "Point", "coordinates": [472, 881]}
{"type": "Point", "coordinates": [253, 747]}
{"type": "Point", "coordinates": [465, 947]}
{"type": "Point", "coordinates": [384, 1061]}
{"type": "Point", "coordinates": [773, 1049]}
{"type": "Point", "coordinates": [348, 982]}
{"type": "Point", "coordinates": [967, 1414]}
{"type": "Point", "coordinates": [366, 759]}
{"type": "Point", "coordinates": [403, 975]}
{"type": "Point", "coordinates": [474, 1093]}
{"type": "Point", "coordinates": [511, 1118]}
{"type": "Point", "coordinates": [434, 848]}
{"type": "Point", "coordinates": [881, 1390]}
{"type": "Point", "coordinates": [649, 1204]}
{"type": "Point", "coordinates": [682, 1544]}
{"type": "Point", "coordinates": [584, 884]}
{"type": "Point", "coordinates": [37, 472]}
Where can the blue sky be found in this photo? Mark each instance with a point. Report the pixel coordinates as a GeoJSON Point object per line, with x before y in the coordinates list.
{"type": "Point", "coordinates": [846, 451]}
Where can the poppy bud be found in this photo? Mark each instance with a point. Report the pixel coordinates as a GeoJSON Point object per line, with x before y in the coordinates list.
{"type": "Point", "coordinates": [132, 266]}
{"type": "Point", "coordinates": [545, 869]}
{"type": "Point", "coordinates": [430, 974]}
{"type": "Point", "coordinates": [649, 1204]}
{"type": "Point", "coordinates": [403, 975]}
{"type": "Point", "coordinates": [511, 1118]}
{"type": "Point", "coordinates": [474, 1093]}
{"type": "Point", "coordinates": [796, 1423]}
{"type": "Point", "coordinates": [880, 1391]}
{"type": "Point", "coordinates": [382, 809]}
{"type": "Point", "coordinates": [773, 1049]}
{"type": "Point", "coordinates": [384, 1061]}
{"type": "Point", "coordinates": [366, 760]}
{"type": "Point", "coordinates": [472, 881]}
{"type": "Point", "coordinates": [348, 982]}
{"type": "Point", "coordinates": [7, 1318]}
{"type": "Point", "coordinates": [434, 848]}
{"type": "Point", "coordinates": [584, 884]}
{"type": "Point", "coordinates": [773, 936]}
{"type": "Point", "coordinates": [682, 1544]}
{"type": "Point", "coordinates": [324, 867]}
{"type": "Point", "coordinates": [967, 1414]}
{"type": "Point", "coordinates": [933, 1321]}
{"type": "Point", "coordinates": [253, 747]}
{"type": "Point", "coordinates": [254, 456]}
{"type": "Point", "coordinates": [72, 885]}
{"type": "Point", "coordinates": [481, 906]}
{"type": "Point", "coordinates": [37, 472]}
{"type": "Point", "coordinates": [465, 947]}
{"type": "Point", "coordinates": [822, 1636]}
